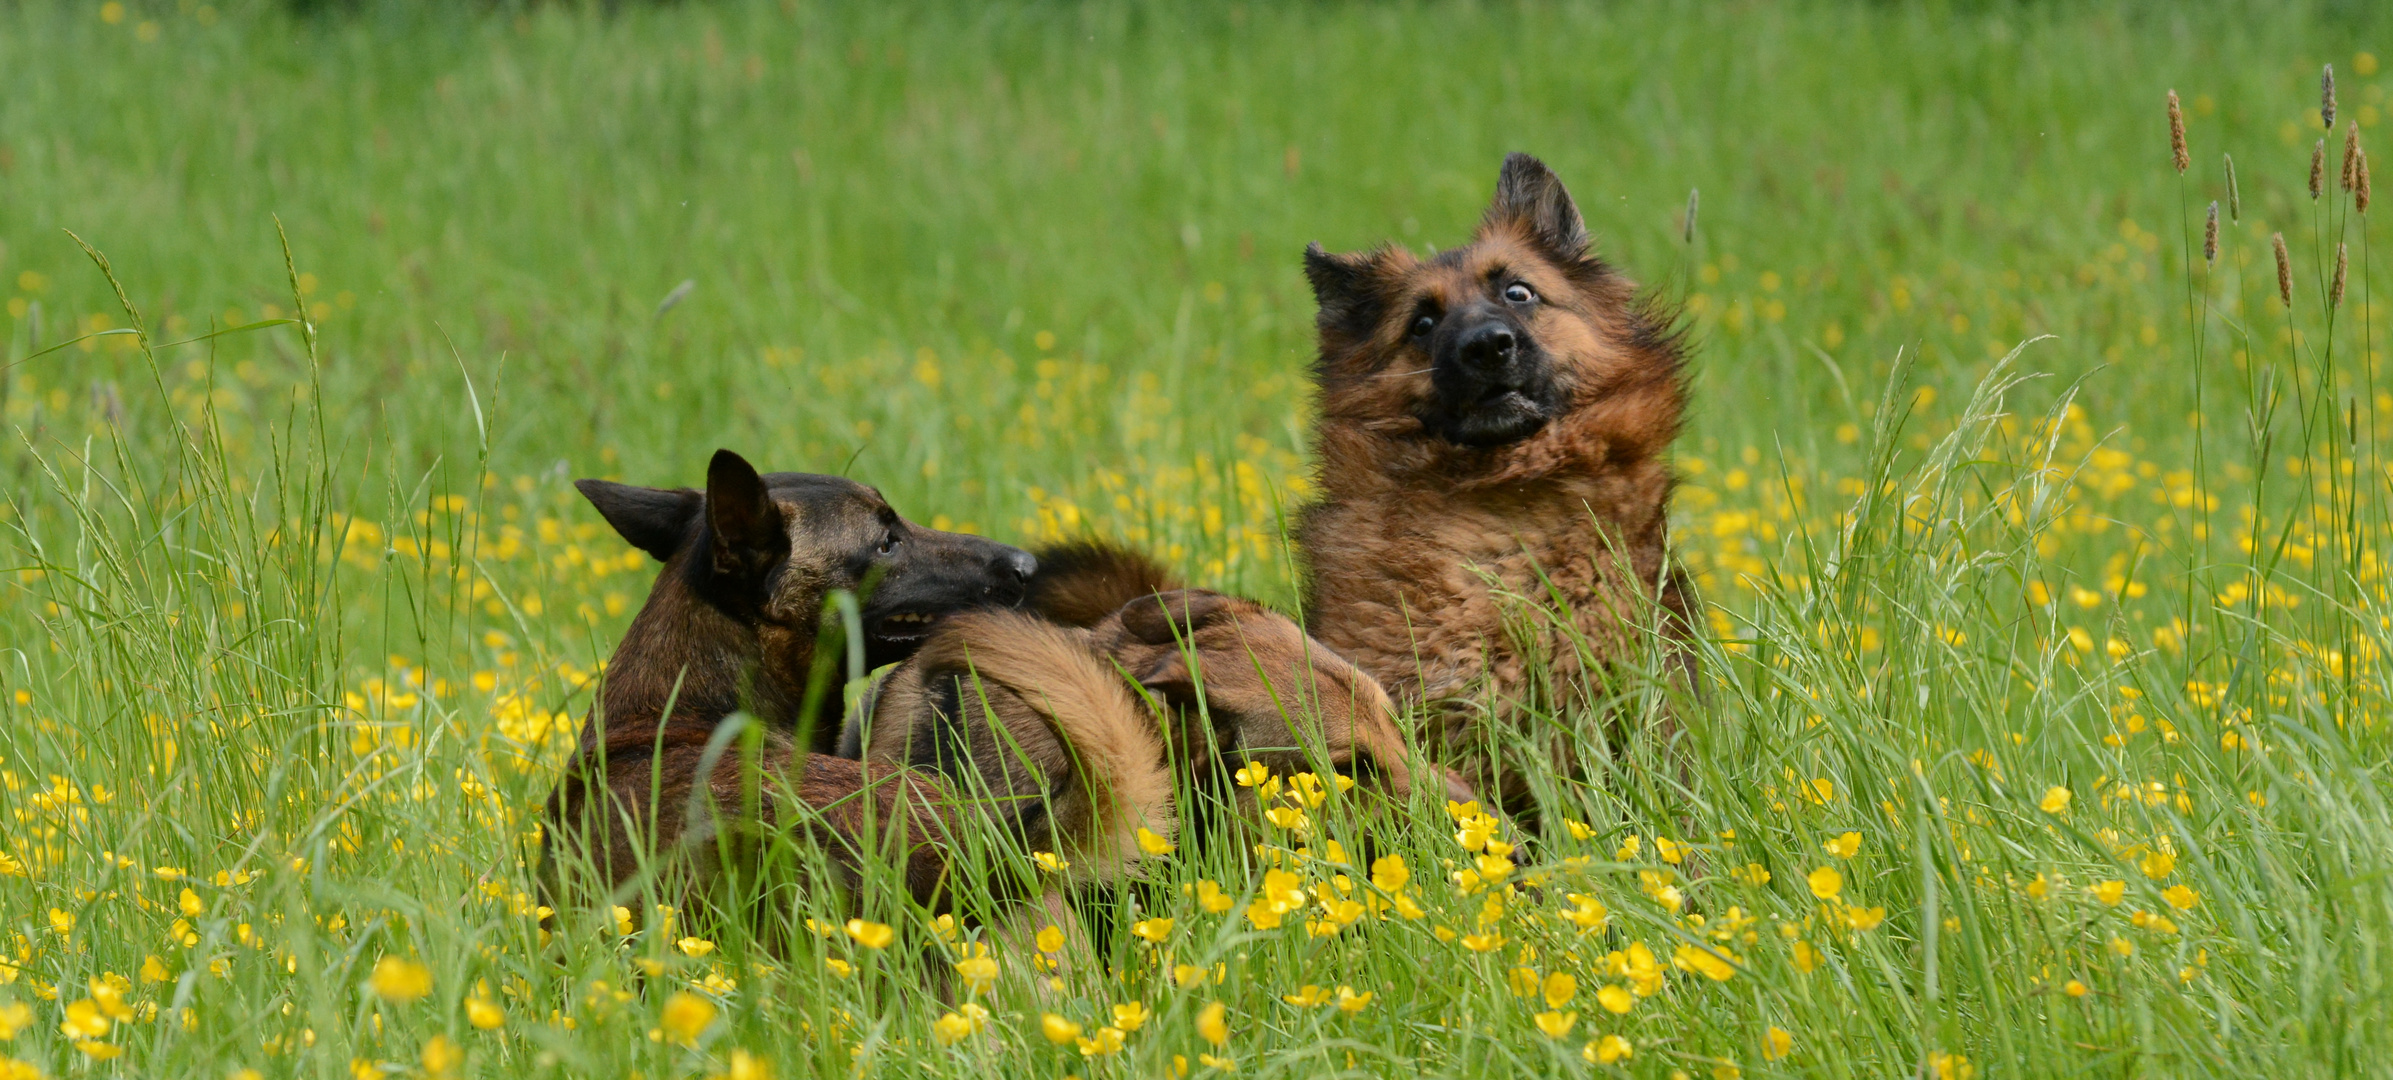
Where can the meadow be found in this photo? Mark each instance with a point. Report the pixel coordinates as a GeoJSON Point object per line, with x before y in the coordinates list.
{"type": "Point", "coordinates": [2041, 728]}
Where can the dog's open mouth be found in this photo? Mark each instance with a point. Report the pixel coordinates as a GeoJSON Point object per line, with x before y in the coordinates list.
{"type": "Point", "coordinates": [1507, 398]}
{"type": "Point", "coordinates": [906, 625]}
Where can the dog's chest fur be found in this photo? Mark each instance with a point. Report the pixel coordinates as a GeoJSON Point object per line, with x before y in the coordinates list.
{"type": "Point", "coordinates": [1420, 571]}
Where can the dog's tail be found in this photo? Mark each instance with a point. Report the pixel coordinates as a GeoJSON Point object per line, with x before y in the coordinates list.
{"type": "Point", "coordinates": [1022, 712]}
{"type": "Point", "coordinates": [1080, 582]}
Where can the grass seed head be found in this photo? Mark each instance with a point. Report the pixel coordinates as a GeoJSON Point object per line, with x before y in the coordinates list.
{"type": "Point", "coordinates": [2351, 153]}
{"type": "Point", "coordinates": [2318, 169]}
{"type": "Point", "coordinates": [2359, 189]}
{"type": "Point", "coordinates": [2210, 234]}
{"type": "Point", "coordinates": [2326, 96]}
{"type": "Point", "coordinates": [2234, 195]}
{"type": "Point", "coordinates": [2284, 270]}
{"type": "Point", "coordinates": [2177, 154]}
{"type": "Point", "coordinates": [2335, 287]}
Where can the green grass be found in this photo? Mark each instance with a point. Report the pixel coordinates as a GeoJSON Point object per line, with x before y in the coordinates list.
{"type": "Point", "coordinates": [307, 618]}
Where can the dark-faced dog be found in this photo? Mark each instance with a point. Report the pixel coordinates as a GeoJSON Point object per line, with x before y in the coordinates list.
{"type": "Point", "coordinates": [1494, 421]}
{"type": "Point", "coordinates": [734, 624]}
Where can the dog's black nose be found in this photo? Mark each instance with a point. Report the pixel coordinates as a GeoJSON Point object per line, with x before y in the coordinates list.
{"type": "Point", "coordinates": [1487, 347]}
{"type": "Point", "coordinates": [1009, 576]}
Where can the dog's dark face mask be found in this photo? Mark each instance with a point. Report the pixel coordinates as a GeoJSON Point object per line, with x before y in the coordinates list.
{"type": "Point", "coordinates": [1481, 346]}
{"type": "Point", "coordinates": [770, 550]}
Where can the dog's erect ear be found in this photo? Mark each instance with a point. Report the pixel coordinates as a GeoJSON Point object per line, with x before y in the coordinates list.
{"type": "Point", "coordinates": [1342, 286]}
{"type": "Point", "coordinates": [1530, 195]}
{"type": "Point", "coordinates": [750, 535]}
{"type": "Point", "coordinates": [653, 519]}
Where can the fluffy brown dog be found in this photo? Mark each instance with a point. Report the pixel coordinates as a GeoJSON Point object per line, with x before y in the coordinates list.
{"type": "Point", "coordinates": [733, 625]}
{"type": "Point", "coordinates": [1493, 424]}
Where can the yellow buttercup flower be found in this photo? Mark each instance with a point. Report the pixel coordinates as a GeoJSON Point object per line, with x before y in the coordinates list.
{"type": "Point", "coordinates": [1777, 1042]}
{"type": "Point", "coordinates": [1057, 1029]}
{"type": "Point", "coordinates": [484, 1013]}
{"type": "Point", "coordinates": [2074, 988]}
{"type": "Point", "coordinates": [2158, 864]}
{"type": "Point", "coordinates": [1050, 862]}
{"type": "Point", "coordinates": [1615, 999]}
{"type": "Point", "coordinates": [1826, 883]}
{"type": "Point", "coordinates": [871, 935]}
{"type": "Point", "coordinates": [978, 971]}
{"type": "Point", "coordinates": [2055, 800]}
{"type": "Point", "coordinates": [399, 980]}
{"type": "Point", "coordinates": [83, 1020]}
{"type": "Point", "coordinates": [695, 946]}
{"type": "Point", "coordinates": [1845, 846]}
{"type": "Point", "coordinates": [1708, 962]}
{"type": "Point", "coordinates": [15, 1016]}
{"type": "Point", "coordinates": [1152, 930]}
{"type": "Point", "coordinates": [1555, 1024]}
{"type": "Point", "coordinates": [2181, 897]}
{"type": "Point", "coordinates": [1586, 912]}
{"type": "Point", "coordinates": [2109, 892]}
{"type": "Point", "coordinates": [687, 1016]}
{"type": "Point", "coordinates": [1560, 987]}
{"type": "Point", "coordinates": [1350, 1002]}
{"type": "Point", "coordinates": [1481, 943]}
{"type": "Point", "coordinates": [440, 1057]}
{"type": "Point", "coordinates": [1152, 842]}
{"type": "Point", "coordinates": [1212, 899]}
{"type": "Point", "coordinates": [1130, 1017]}
{"type": "Point", "coordinates": [1104, 1042]}
{"type": "Point", "coordinates": [950, 1029]}
{"type": "Point", "coordinates": [1307, 996]}
{"type": "Point", "coordinates": [746, 1066]}
{"type": "Point", "coordinates": [1609, 1050]}
{"type": "Point", "coordinates": [1050, 938]}
{"type": "Point", "coordinates": [1213, 1025]}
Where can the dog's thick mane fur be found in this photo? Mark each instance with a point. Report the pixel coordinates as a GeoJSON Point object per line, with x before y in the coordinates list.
{"type": "Point", "coordinates": [1416, 540]}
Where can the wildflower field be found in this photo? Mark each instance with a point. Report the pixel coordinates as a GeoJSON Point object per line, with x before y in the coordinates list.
{"type": "Point", "coordinates": [2042, 726]}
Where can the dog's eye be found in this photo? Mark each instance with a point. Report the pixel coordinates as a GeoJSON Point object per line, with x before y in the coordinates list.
{"type": "Point", "coordinates": [1519, 293]}
{"type": "Point", "coordinates": [1423, 325]}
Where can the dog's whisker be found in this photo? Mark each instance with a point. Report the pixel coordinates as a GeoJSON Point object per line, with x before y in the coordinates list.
{"type": "Point", "coordinates": [1400, 374]}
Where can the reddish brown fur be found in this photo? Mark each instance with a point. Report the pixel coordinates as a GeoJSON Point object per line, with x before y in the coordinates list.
{"type": "Point", "coordinates": [730, 626]}
{"type": "Point", "coordinates": [1080, 583]}
{"type": "Point", "coordinates": [1027, 710]}
{"type": "Point", "coordinates": [1234, 679]}
{"type": "Point", "coordinates": [1411, 527]}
